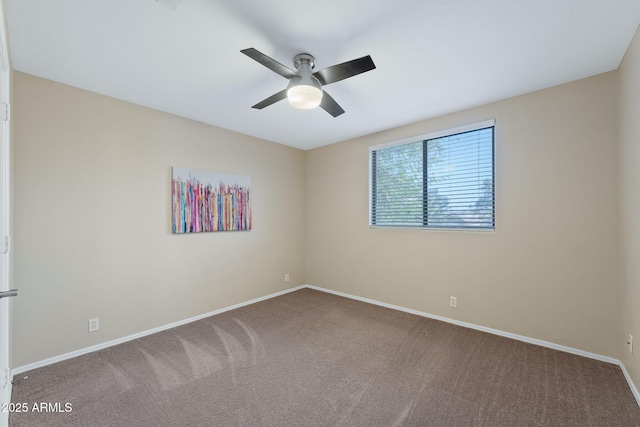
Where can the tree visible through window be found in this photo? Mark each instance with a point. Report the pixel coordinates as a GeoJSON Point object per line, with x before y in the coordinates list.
{"type": "Point", "coordinates": [440, 182]}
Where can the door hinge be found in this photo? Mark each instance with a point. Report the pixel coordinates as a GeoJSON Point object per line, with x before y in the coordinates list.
{"type": "Point", "coordinates": [6, 244]}
{"type": "Point", "coordinates": [6, 112]}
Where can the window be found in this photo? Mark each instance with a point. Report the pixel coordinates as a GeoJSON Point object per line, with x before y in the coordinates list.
{"type": "Point", "coordinates": [441, 180]}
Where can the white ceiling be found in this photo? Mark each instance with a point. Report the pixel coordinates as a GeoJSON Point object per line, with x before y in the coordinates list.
{"type": "Point", "coordinates": [432, 56]}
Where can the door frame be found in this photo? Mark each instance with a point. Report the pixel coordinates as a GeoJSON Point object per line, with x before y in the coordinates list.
{"type": "Point", "coordinates": [5, 214]}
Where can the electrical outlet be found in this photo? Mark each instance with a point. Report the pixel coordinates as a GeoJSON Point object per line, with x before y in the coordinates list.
{"type": "Point", "coordinates": [286, 277]}
{"type": "Point", "coordinates": [630, 343]}
{"type": "Point", "coordinates": [453, 302]}
{"type": "Point", "coordinates": [94, 324]}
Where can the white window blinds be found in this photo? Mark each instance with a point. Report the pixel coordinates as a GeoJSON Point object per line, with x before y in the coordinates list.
{"type": "Point", "coordinates": [442, 181]}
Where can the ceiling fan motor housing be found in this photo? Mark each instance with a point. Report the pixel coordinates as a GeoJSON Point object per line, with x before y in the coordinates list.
{"type": "Point", "coordinates": [304, 63]}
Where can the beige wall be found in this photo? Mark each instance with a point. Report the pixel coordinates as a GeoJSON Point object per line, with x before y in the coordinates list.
{"type": "Point", "coordinates": [629, 106]}
{"type": "Point", "coordinates": [93, 215]}
{"type": "Point", "coordinates": [549, 271]}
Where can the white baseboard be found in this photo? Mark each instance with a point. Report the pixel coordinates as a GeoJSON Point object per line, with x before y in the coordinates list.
{"type": "Point", "coordinates": [523, 338]}
{"type": "Point", "coordinates": [476, 327]}
{"type": "Point", "coordinates": [632, 386]}
{"type": "Point", "coordinates": [19, 370]}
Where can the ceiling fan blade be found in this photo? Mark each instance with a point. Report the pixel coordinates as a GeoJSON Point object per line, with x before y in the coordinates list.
{"type": "Point", "coordinates": [270, 63]}
{"type": "Point", "coordinates": [330, 105]}
{"type": "Point", "coordinates": [271, 100]}
{"type": "Point", "coordinates": [338, 72]}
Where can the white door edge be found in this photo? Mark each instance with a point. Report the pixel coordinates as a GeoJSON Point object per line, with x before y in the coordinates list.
{"type": "Point", "coordinates": [5, 193]}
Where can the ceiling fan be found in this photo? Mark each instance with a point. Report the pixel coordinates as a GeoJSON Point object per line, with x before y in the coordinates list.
{"type": "Point", "coordinates": [305, 87]}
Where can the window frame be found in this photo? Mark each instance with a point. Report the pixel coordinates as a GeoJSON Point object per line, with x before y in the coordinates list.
{"type": "Point", "coordinates": [428, 136]}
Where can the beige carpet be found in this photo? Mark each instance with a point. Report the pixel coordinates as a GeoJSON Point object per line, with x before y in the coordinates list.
{"type": "Point", "coordinates": [314, 359]}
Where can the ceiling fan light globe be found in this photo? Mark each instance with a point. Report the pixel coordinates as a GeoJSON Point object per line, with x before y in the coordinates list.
{"type": "Point", "coordinates": [304, 97]}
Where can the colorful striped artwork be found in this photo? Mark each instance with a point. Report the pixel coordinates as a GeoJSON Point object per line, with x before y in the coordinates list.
{"type": "Point", "coordinates": [208, 201]}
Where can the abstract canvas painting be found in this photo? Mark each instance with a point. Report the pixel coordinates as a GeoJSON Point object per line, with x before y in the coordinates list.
{"type": "Point", "coordinates": [210, 201]}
